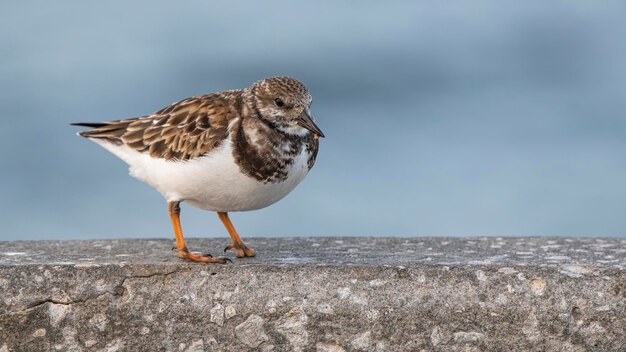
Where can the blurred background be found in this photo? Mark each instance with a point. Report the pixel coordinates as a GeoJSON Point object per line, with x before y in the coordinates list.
{"type": "Point", "coordinates": [442, 118]}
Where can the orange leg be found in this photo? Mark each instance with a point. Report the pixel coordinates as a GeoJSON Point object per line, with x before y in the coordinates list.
{"type": "Point", "coordinates": [181, 246]}
{"type": "Point", "coordinates": [238, 245]}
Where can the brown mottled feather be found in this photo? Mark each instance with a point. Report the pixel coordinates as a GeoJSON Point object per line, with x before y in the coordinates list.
{"type": "Point", "coordinates": [181, 131]}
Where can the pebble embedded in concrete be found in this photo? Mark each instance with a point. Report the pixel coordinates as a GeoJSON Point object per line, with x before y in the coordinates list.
{"type": "Point", "coordinates": [39, 333]}
{"type": "Point", "coordinates": [251, 332]}
{"type": "Point", "coordinates": [217, 314]}
{"type": "Point", "coordinates": [537, 286]}
{"type": "Point", "coordinates": [293, 327]}
{"type": "Point", "coordinates": [230, 312]}
{"type": "Point", "coordinates": [471, 336]}
{"type": "Point", "coordinates": [363, 341]}
{"type": "Point", "coordinates": [328, 347]}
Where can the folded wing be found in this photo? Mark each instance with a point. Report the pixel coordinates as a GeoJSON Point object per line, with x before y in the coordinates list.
{"type": "Point", "coordinates": [182, 131]}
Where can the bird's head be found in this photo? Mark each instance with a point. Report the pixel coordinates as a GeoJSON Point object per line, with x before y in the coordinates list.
{"type": "Point", "coordinates": [284, 102]}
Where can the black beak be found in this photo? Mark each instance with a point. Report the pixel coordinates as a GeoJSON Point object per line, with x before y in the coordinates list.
{"type": "Point", "coordinates": [305, 120]}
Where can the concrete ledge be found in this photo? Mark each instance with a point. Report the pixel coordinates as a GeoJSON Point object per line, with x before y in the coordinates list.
{"type": "Point", "coordinates": [324, 294]}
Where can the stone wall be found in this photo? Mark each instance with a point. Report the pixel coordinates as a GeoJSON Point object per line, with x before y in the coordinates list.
{"type": "Point", "coordinates": [316, 294]}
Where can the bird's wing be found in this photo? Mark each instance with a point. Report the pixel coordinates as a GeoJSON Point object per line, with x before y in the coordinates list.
{"type": "Point", "coordinates": [184, 130]}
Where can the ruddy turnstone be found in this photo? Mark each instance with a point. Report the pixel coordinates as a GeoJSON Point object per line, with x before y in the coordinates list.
{"type": "Point", "coordinates": [236, 150]}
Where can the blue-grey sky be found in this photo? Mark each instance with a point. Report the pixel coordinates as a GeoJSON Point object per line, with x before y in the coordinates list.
{"type": "Point", "coordinates": [442, 118]}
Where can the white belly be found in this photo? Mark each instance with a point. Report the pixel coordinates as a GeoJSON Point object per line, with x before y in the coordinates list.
{"type": "Point", "coordinates": [212, 182]}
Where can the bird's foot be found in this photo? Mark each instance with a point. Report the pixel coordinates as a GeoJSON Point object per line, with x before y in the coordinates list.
{"type": "Point", "coordinates": [203, 258]}
{"type": "Point", "coordinates": [241, 249]}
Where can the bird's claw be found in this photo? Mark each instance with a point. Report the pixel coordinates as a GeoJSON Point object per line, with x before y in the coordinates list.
{"type": "Point", "coordinates": [241, 249]}
{"type": "Point", "coordinates": [200, 257]}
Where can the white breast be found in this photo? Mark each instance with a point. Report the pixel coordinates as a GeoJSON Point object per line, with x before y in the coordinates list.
{"type": "Point", "coordinates": [212, 182]}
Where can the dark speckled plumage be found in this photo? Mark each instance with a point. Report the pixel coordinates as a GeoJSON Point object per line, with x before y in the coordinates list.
{"type": "Point", "coordinates": [267, 160]}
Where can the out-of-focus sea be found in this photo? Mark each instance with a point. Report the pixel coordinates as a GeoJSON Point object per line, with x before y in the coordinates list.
{"type": "Point", "coordinates": [442, 118]}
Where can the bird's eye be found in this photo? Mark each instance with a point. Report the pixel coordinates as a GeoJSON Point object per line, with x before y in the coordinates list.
{"type": "Point", "coordinates": [279, 102]}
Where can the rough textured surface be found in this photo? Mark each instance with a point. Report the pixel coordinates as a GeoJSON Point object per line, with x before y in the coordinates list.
{"type": "Point", "coordinates": [324, 294]}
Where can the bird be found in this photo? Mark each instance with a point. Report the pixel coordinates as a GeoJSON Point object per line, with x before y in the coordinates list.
{"type": "Point", "coordinates": [230, 151]}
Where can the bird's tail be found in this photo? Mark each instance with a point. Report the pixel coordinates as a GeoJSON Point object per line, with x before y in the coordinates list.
{"type": "Point", "coordinates": [89, 124]}
{"type": "Point", "coordinates": [107, 130]}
